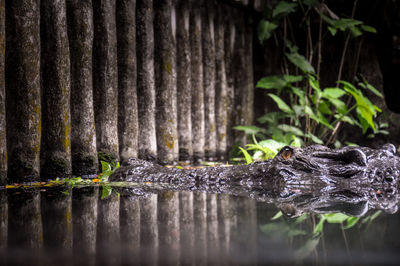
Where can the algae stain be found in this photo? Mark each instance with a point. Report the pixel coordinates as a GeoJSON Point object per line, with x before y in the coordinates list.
{"type": "Point", "coordinates": [168, 141]}
{"type": "Point", "coordinates": [67, 132]}
{"type": "Point", "coordinates": [167, 195]}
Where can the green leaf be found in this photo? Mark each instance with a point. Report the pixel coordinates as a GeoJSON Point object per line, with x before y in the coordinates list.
{"type": "Point", "coordinates": [105, 166]}
{"type": "Point", "coordinates": [333, 93]}
{"type": "Point", "coordinates": [284, 8]}
{"type": "Point", "coordinates": [368, 28]}
{"type": "Point", "coordinates": [281, 104]}
{"type": "Point", "coordinates": [336, 218]}
{"type": "Point", "coordinates": [265, 30]}
{"type": "Point", "coordinates": [277, 215]}
{"type": "Point", "coordinates": [314, 138]}
{"type": "Point", "coordinates": [106, 191]}
{"type": "Point", "coordinates": [307, 248]}
{"type": "Point", "coordinates": [332, 30]}
{"type": "Point", "coordinates": [271, 82]}
{"type": "Point", "coordinates": [319, 227]}
{"type": "Point", "coordinates": [292, 79]}
{"type": "Point", "coordinates": [351, 221]}
{"type": "Point", "coordinates": [346, 119]}
{"type": "Point", "coordinates": [301, 62]}
{"type": "Point", "coordinates": [355, 32]}
{"type": "Point", "coordinates": [249, 130]}
{"type": "Point", "coordinates": [311, 3]}
{"type": "Point", "coordinates": [247, 156]}
{"type": "Point", "coordinates": [346, 23]}
{"type": "Point", "coordinates": [323, 107]}
{"type": "Point", "coordinates": [292, 129]}
{"type": "Point", "coordinates": [314, 84]}
{"type": "Point", "coordinates": [371, 88]}
{"type": "Point", "coordinates": [340, 106]}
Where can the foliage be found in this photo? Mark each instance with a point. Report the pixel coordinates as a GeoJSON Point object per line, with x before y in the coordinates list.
{"type": "Point", "coordinates": [293, 228]}
{"type": "Point", "coordinates": [107, 170]}
{"type": "Point", "coordinates": [307, 112]}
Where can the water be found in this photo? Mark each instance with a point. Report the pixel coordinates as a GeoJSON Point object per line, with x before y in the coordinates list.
{"type": "Point", "coordinates": [61, 225]}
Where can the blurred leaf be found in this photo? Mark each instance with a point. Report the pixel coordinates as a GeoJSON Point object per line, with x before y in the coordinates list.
{"type": "Point", "coordinates": [281, 104]}
{"type": "Point", "coordinates": [292, 129]}
{"type": "Point", "coordinates": [336, 218]}
{"type": "Point", "coordinates": [106, 190]}
{"type": "Point", "coordinates": [368, 28]}
{"type": "Point", "coordinates": [249, 130]}
{"type": "Point", "coordinates": [247, 156]}
{"type": "Point", "coordinates": [319, 227]}
{"type": "Point", "coordinates": [277, 215]}
{"type": "Point", "coordinates": [307, 248]}
{"type": "Point", "coordinates": [311, 2]}
{"type": "Point", "coordinates": [271, 82]}
{"type": "Point", "coordinates": [283, 8]}
{"type": "Point", "coordinates": [265, 30]}
{"type": "Point", "coordinates": [333, 93]}
{"type": "Point", "coordinates": [301, 62]}
{"type": "Point", "coordinates": [351, 221]}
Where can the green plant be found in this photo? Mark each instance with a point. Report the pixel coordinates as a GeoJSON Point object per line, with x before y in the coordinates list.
{"type": "Point", "coordinates": [308, 113]}
{"type": "Point", "coordinates": [107, 170]}
{"type": "Point", "coordinates": [294, 228]}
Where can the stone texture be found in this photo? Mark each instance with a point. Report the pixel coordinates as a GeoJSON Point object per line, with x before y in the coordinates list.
{"type": "Point", "coordinates": [55, 81]}
{"type": "Point", "coordinates": [165, 78]}
{"type": "Point", "coordinates": [184, 86]}
{"type": "Point", "coordinates": [105, 79]}
{"type": "Point", "coordinates": [127, 79]}
{"type": "Point", "coordinates": [83, 133]}
{"type": "Point", "coordinates": [3, 136]}
{"type": "Point", "coordinates": [145, 80]}
{"type": "Point", "coordinates": [208, 46]}
{"type": "Point", "coordinates": [23, 89]}
{"type": "Point", "coordinates": [197, 82]}
{"type": "Point", "coordinates": [221, 86]}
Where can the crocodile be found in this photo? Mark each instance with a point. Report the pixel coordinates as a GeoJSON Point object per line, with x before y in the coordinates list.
{"type": "Point", "coordinates": [313, 178]}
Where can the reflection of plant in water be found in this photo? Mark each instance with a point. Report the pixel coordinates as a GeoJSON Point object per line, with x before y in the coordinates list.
{"type": "Point", "coordinates": [107, 170]}
{"type": "Point", "coordinates": [292, 229]}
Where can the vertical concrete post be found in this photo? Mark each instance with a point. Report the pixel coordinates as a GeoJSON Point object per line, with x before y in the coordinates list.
{"type": "Point", "coordinates": [196, 58]}
{"type": "Point", "coordinates": [184, 86]}
{"type": "Point", "coordinates": [229, 44]}
{"type": "Point", "coordinates": [57, 219]}
{"type": "Point", "coordinates": [127, 79]}
{"type": "Point", "coordinates": [55, 81]}
{"type": "Point", "coordinates": [200, 227]}
{"type": "Point", "coordinates": [84, 224]}
{"type": "Point", "coordinates": [249, 69]}
{"type": "Point", "coordinates": [240, 80]}
{"type": "Point", "coordinates": [129, 214]}
{"type": "Point", "coordinates": [105, 80]}
{"type": "Point", "coordinates": [208, 47]}
{"type": "Point", "coordinates": [83, 133]}
{"type": "Point", "coordinates": [168, 226]}
{"type": "Point", "coordinates": [25, 229]}
{"type": "Point", "coordinates": [213, 244]}
{"type": "Point", "coordinates": [22, 70]}
{"type": "Point", "coordinates": [3, 136]}
{"type": "Point", "coordinates": [145, 79]}
{"type": "Point", "coordinates": [3, 221]}
{"type": "Point", "coordinates": [149, 231]}
{"type": "Point", "coordinates": [108, 231]}
{"type": "Point", "coordinates": [224, 220]}
{"type": "Point", "coordinates": [165, 74]}
{"type": "Point", "coordinates": [186, 227]}
{"type": "Point", "coordinates": [221, 86]}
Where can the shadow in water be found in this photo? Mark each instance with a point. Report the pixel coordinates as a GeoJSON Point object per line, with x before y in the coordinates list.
{"type": "Point", "coordinates": [73, 226]}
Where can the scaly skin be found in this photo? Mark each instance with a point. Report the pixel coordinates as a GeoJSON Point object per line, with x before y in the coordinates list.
{"type": "Point", "coordinates": [351, 175]}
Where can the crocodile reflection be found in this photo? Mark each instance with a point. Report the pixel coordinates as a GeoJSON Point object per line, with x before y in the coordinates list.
{"type": "Point", "coordinates": [318, 179]}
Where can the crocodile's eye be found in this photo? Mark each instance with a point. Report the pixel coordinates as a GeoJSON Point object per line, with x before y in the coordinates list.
{"type": "Point", "coordinates": [286, 153]}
